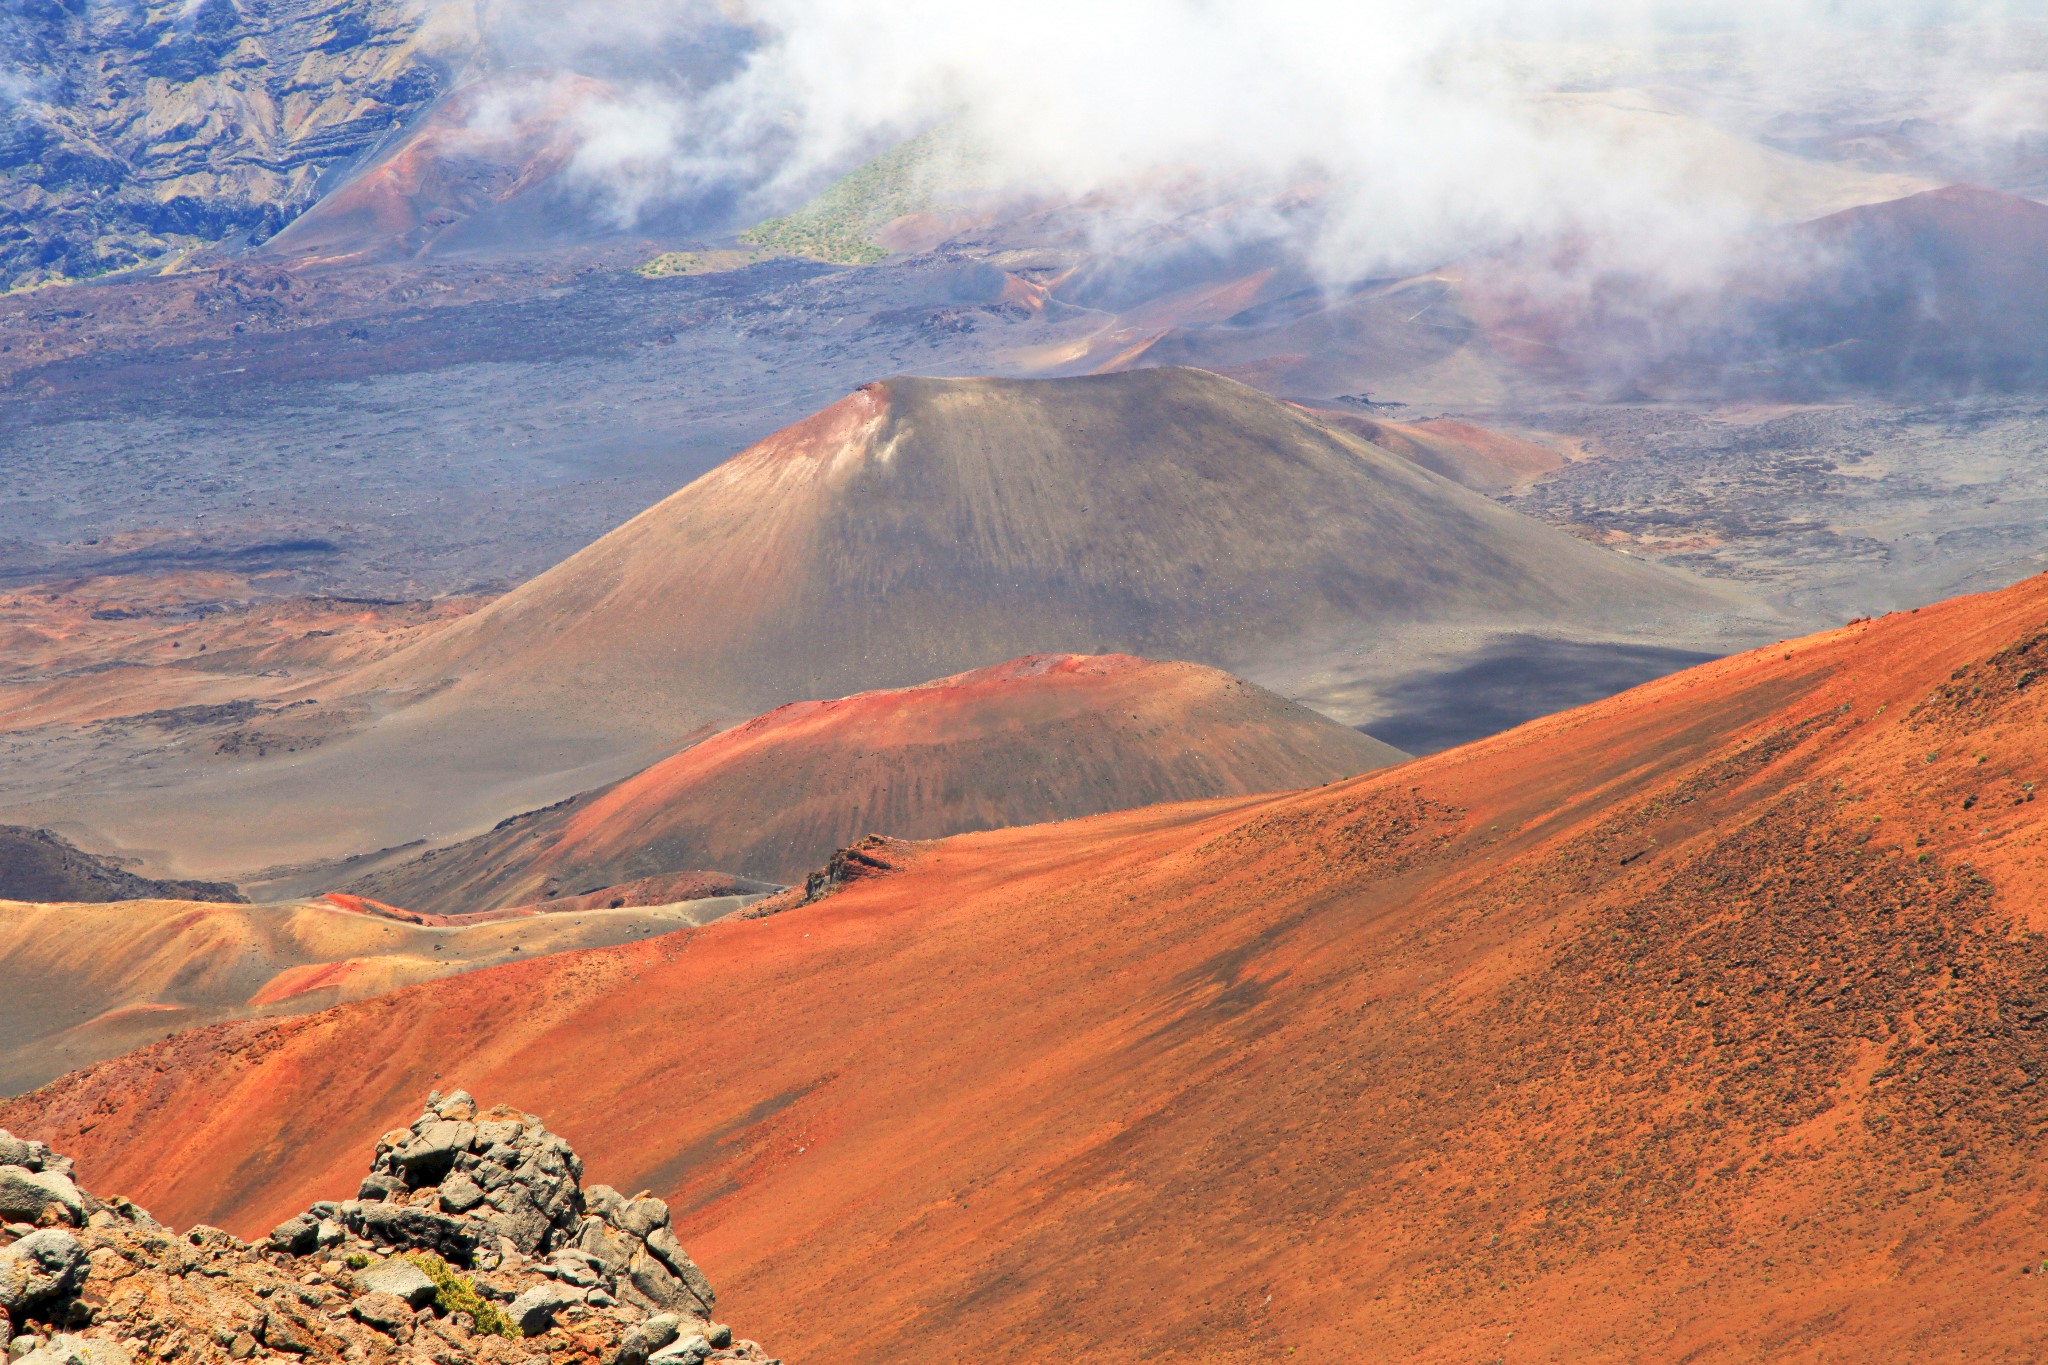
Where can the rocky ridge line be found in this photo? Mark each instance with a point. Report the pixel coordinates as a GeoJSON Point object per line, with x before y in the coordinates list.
{"type": "Point", "coordinates": [471, 1242]}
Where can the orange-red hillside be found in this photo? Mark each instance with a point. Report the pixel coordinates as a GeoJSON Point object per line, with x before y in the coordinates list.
{"type": "Point", "coordinates": [1703, 1023]}
{"type": "Point", "coordinates": [1044, 738]}
{"type": "Point", "coordinates": [491, 149]}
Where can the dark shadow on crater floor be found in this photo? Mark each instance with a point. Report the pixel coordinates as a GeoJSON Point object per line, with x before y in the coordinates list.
{"type": "Point", "coordinates": [1514, 680]}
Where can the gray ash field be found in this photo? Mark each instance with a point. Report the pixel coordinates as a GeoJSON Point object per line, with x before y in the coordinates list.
{"type": "Point", "coordinates": [412, 449]}
{"type": "Point", "coordinates": [375, 439]}
{"type": "Point", "coordinates": [1832, 511]}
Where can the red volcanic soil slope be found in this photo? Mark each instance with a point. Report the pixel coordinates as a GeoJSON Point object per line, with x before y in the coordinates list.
{"type": "Point", "coordinates": [1702, 1023]}
{"type": "Point", "coordinates": [1043, 738]}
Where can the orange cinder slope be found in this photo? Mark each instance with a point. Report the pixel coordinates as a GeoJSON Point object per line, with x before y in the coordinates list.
{"type": "Point", "coordinates": [1701, 1023]}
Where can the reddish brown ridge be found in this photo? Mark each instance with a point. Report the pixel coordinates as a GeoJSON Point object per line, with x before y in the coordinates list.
{"type": "Point", "coordinates": [1702, 1023]}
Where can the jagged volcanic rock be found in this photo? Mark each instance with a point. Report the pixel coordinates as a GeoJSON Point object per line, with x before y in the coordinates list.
{"type": "Point", "coordinates": [471, 1240]}
{"type": "Point", "coordinates": [37, 865]}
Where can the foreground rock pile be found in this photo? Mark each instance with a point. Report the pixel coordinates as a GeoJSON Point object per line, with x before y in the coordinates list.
{"type": "Point", "coordinates": [472, 1240]}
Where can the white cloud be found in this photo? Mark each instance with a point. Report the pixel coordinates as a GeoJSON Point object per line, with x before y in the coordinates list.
{"type": "Point", "coordinates": [1427, 128]}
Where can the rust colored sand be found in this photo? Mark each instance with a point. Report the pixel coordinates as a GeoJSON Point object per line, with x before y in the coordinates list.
{"type": "Point", "coordinates": [1702, 1023]}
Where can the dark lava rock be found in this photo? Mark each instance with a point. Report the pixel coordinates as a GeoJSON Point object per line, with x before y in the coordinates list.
{"type": "Point", "coordinates": [36, 865]}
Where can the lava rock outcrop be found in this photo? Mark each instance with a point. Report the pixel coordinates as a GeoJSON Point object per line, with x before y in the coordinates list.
{"type": "Point", "coordinates": [472, 1240]}
{"type": "Point", "coordinates": [39, 865]}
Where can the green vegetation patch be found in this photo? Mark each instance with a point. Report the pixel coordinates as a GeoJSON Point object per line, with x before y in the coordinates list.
{"type": "Point", "coordinates": [455, 1294]}
{"type": "Point", "coordinates": [839, 225]}
{"type": "Point", "coordinates": [698, 263]}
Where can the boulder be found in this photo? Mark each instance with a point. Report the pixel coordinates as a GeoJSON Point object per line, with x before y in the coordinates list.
{"type": "Point", "coordinates": [577, 1267]}
{"type": "Point", "coordinates": [432, 1152]}
{"type": "Point", "coordinates": [513, 1215]}
{"type": "Point", "coordinates": [492, 1133]}
{"type": "Point", "coordinates": [642, 1216]}
{"type": "Point", "coordinates": [456, 1104]}
{"type": "Point", "coordinates": [650, 1336]}
{"type": "Point", "coordinates": [378, 1187]}
{"type": "Point", "coordinates": [460, 1194]}
{"type": "Point", "coordinates": [28, 1196]}
{"type": "Point", "coordinates": [603, 1202]}
{"type": "Point", "coordinates": [606, 1243]}
{"type": "Point", "coordinates": [283, 1333]}
{"type": "Point", "coordinates": [35, 1156]}
{"type": "Point", "coordinates": [691, 1348]}
{"type": "Point", "coordinates": [400, 1279]}
{"type": "Point", "coordinates": [298, 1236]}
{"type": "Point", "coordinates": [387, 1313]}
{"type": "Point", "coordinates": [400, 1225]}
{"type": "Point", "coordinates": [39, 1268]}
{"type": "Point", "coordinates": [650, 1284]}
{"type": "Point", "coordinates": [534, 1310]}
{"type": "Point", "coordinates": [663, 1244]}
{"type": "Point", "coordinates": [64, 1349]}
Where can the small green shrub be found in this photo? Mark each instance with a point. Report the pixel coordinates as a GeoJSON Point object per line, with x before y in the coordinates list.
{"type": "Point", "coordinates": [454, 1294]}
{"type": "Point", "coordinates": [357, 1261]}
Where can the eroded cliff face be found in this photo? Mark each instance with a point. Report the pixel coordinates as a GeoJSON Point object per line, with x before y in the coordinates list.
{"type": "Point", "coordinates": [133, 132]}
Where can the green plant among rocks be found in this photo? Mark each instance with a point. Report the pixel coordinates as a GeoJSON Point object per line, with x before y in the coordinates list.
{"type": "Point", "coordinates": [454, 1293]}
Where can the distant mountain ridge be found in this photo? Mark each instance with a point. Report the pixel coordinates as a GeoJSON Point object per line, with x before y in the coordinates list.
{"type": "Point", "coordinates": [132, 134]}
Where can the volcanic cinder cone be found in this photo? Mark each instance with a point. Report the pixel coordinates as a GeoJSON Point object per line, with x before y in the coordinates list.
{"type": "Point", "coordinates": [922, 527]}
{"type": "Point", "coordinates": [917, 529]}
{"type": "Point", "coordinates": [1944, 290]}
{"type": "Point", "coordinates": [1044, 738]}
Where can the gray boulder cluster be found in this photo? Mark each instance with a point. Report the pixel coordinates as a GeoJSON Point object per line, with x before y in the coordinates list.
{"type": "Point", "coordinates": [471, 1242]}
{"type": "Point", "coordinates": [487, 1190]}
{"type": "Point", "coordinates": [42, 1263]}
